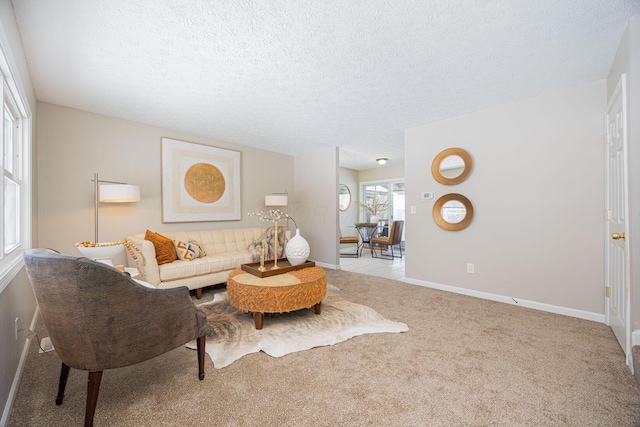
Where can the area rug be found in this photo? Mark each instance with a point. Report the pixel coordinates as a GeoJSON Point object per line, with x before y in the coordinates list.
{"type": "Point", "coordinates": [234, 335]}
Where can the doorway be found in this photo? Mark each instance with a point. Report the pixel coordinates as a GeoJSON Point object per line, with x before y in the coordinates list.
{"type": "Point", "coordinates": [391, 194]}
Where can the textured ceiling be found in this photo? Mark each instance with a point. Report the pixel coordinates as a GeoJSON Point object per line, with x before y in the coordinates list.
{"type": "Point", "coordinates": [294, 76]}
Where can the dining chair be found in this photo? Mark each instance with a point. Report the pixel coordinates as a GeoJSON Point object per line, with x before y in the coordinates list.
{"type": "Point", "coordinates": [394, 238]}
{"type": "Point", "coordinates": [99, 318]}
{"type": "Point", "coordinates": [350, 240]}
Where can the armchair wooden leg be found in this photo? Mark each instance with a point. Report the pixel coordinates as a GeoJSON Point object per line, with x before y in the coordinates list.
{"type": "Point", "coordinates": [201, 342]}
{"type": "Point", "coordinates": [64, 375]}
{"type": "Point", "coordinates": [93, 387]}
{"type": "Point", "coordinates": [199, 293]}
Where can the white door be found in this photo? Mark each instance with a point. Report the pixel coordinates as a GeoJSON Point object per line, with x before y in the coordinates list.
{"type": "Point", "coordinates": [617, 274]}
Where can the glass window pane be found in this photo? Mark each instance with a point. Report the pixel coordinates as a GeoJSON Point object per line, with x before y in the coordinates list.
{"type": "Point", "coordinates": [8, 140]}
{"type": "Point", "coordinates": [398, 204]}
{"type": "Point", "coordinates": [391, 197]}
{"type": "Point", "coordinates": [11, 214]}
{"type": "Point", "coordinates": [376, 202]}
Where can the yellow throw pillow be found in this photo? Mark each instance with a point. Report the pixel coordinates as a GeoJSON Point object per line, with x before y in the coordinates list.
{"type": "Point", "coordinates": [165, 250]}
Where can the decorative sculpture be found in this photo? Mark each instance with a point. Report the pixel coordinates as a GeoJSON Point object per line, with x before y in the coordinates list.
{"type": "Point", "coordinates": [274, 215]}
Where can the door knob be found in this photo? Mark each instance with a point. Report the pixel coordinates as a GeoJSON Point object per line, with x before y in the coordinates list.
{"type": "Point", "coordinates": [616, 236]}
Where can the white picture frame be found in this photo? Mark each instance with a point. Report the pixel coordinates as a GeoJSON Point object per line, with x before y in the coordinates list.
{"type": "Point", "coordinates": [199, 182]}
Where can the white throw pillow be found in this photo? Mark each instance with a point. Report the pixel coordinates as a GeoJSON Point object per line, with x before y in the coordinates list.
{"type": "Point", "coordinates": [188, 251]}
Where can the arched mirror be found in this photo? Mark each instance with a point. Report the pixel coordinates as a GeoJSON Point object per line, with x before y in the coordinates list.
{"type": "Point", "coordinates": [344, 198]}
{"type": "Point", "coordinates": [453, 212]}
{"type": "Point", "coordinates": [451, 166]}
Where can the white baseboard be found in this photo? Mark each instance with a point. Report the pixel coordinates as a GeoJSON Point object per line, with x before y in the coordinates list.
{"type": "Point", "coordinates": [513, 301]}
{"type": "Point", "coordinates": [330, 266]}
{"type": "Point", "coordinates": [16, 379]}
{"type": "Point", "coordinates": [635, 337]}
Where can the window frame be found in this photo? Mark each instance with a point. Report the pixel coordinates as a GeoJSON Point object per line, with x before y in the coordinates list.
{"type": "Point", "coordinates": [12, 92]}
{"type": "Point", "coordinates": [14, 172]}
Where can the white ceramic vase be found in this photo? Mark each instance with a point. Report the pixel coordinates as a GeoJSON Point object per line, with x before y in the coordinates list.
{"type": "Point", "coordinates": [374, 219]}
{"type": "Point", "coordinates": [297, 250]}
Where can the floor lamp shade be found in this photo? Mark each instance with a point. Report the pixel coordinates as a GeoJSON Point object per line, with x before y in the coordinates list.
{"type": "Point", "coordinates": [119, 193]}
{"type": "Point", "coordinates": [111, 192]}
{"type": "Point", "coordinates": [276, 200]}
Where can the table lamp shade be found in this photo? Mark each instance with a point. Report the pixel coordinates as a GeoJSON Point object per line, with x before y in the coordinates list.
{"type": "Point", "coordinates": [276, 200]}
{"type": "Point", "coordinates": [119, 193]}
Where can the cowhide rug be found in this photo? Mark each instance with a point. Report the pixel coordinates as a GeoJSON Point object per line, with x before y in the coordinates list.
{"type": "Point", "coordinates": [234, 334]}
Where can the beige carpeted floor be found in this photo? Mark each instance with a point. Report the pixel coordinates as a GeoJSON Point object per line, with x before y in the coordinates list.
{"type": "Point", "coordinates": [464, 362]}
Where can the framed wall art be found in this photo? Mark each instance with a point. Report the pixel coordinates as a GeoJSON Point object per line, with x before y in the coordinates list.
{"type": "Point", "coordinates": [199, 182]}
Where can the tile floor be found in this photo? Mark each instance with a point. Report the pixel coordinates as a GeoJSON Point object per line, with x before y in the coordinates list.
{"type": "Point", "coordinates": [366, 264]}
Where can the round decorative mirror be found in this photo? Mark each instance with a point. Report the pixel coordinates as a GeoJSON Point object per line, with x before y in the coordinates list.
{"type": "Point", "coordinates": [453, 212]}
{"type": "Point", "coordinates": [452, 166]}
{"type": "Point", "coordinates": [344, 198]}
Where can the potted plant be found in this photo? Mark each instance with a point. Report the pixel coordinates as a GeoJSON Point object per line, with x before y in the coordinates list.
{"type": "Point", "coordinates": [375, 205]}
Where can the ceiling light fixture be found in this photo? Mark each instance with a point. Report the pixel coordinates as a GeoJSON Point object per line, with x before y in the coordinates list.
{"type": "Point", "coordinates": [382, 161]}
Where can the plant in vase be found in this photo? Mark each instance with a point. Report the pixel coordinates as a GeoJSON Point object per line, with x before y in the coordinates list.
{"type": "Point", "coordinates": [375, 205]}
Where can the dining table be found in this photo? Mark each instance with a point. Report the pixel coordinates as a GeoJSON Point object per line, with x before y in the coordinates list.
{"type": "Point", "coordinates": [367, 231]}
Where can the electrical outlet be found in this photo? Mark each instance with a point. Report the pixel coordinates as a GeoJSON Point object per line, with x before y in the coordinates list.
{"type": "Point", "coordinates": [45, 345]}
{"type": "Point", "coordinates": [470, 268]}
{"type": "Point", "coordinates": [16, 329]}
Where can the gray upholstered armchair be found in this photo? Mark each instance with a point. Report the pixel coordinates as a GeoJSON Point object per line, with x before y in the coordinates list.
{"type": "Point", "coordinates": [99, 318]}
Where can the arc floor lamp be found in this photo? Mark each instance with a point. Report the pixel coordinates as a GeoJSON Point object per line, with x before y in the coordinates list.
{"type": "Point", "coordinates": [112, 192]}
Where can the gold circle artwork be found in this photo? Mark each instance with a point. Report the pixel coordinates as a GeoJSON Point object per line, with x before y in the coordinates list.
{"type": "Point", "coordinates": [453, 212]}
{"type": "Point", "coordinates": [204, 182]}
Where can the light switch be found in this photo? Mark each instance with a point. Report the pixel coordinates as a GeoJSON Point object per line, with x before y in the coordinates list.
{"type": "Point", "coordinates": [413, 209]}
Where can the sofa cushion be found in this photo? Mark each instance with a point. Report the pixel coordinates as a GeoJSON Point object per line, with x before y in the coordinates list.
{"type": "Point", "coordinates": [222, 241]}
{"type": "Point", "coordinates": [209, 264]}
{"type": "Point", "coordinates": [165, 250]}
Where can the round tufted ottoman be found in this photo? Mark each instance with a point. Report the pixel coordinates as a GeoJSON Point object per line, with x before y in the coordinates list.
{"type": "Point", "coordinates": [281, 293]}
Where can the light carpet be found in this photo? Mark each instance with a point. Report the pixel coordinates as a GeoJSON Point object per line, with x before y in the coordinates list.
{"type": "Point", "coordinates": [234, 334]}
{"type": "Point", "coordinates": [464, 362]}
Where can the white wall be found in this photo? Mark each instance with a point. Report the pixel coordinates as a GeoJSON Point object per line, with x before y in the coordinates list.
{"type": "Point", "coordinates": [627, 60]}
{"type": "Point", "coordinates": [316, 203]}
{"type": "Point", "coordinates": [74, 144]}
{"type": "Point", "coordinates": [538, 191]}
{"type": "Point", "coordinates": [16, 299]}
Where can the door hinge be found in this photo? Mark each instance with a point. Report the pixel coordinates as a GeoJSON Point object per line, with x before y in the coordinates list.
{"type": "Point", "coordinates": [607, 138]}
{"type": "Point", "coordinates": [607, 215]}
{"type": "Point", "coordinates": [607, 292]}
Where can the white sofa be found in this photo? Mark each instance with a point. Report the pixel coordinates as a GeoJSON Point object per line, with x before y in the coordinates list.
{"type": "Point", "coordinates": [225, 250]}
